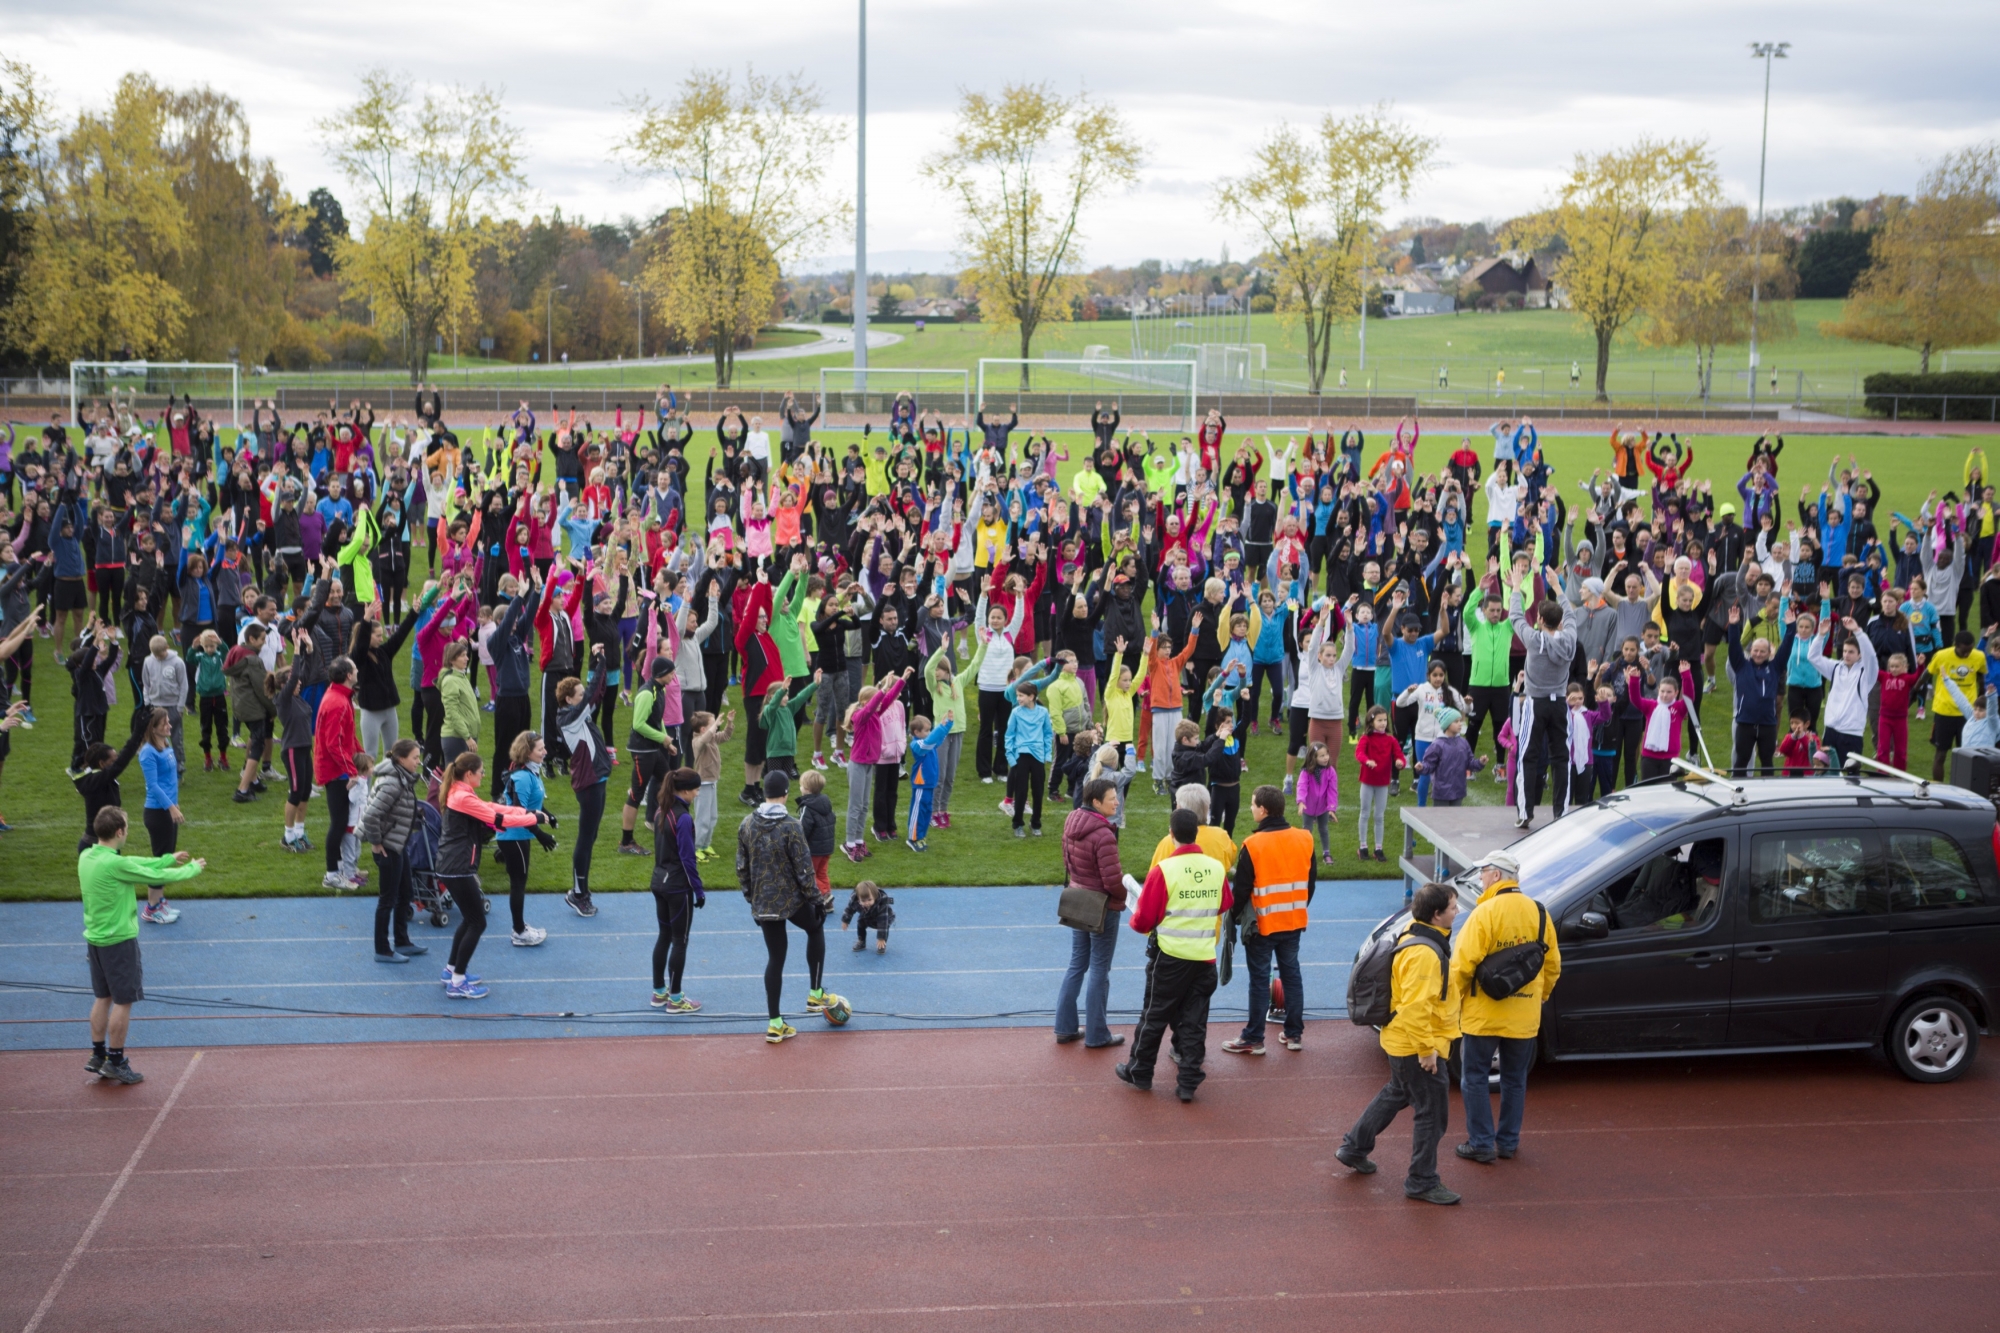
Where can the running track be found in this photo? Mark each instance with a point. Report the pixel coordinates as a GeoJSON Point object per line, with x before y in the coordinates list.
{"type": "Point", "coordinates": [963, 1179]}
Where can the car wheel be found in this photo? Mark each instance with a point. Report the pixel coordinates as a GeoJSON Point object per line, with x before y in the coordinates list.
{"type": "Point", "coordinates": [1933, 1039]}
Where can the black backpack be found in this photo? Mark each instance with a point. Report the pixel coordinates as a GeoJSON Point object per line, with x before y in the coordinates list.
{"type": "Point", "coordinates": [1370, 983]}
{"type": "Point", "coordinates": [1505, 971]}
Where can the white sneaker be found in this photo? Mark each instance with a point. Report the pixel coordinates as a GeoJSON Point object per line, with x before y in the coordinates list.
{"type": "Point", "coordinates": [987, 781]}
{"type": "Point", "coordinates": [1287, 789]}
{"type": "Point", "coordinates": [819, 761]}
{"type": "Point", "coordinates": [338, 883]}
{"type": "Point", "coordinates": [1007, 809]}
{"type": "Point", "coordinates": [529, 938]}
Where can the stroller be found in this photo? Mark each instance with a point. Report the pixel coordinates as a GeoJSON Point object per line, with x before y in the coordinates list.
{"type": "Point", "coordinates": [427, 893]}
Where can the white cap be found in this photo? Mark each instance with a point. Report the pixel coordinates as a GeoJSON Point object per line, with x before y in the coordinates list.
{"type": "Point", "coordinates": [1503, 862]}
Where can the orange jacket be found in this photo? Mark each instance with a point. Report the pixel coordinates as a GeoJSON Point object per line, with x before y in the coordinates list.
{"type": "Point", "coordinates": [1163, 674]}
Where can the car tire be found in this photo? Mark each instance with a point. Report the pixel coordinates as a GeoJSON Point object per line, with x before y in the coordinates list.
{"type": "Point", "coordinates": [1933, 1039]}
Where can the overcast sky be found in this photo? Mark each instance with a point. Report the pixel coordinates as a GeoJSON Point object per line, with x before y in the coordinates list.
{"type": "Point", "coordinates": [1870, 93]}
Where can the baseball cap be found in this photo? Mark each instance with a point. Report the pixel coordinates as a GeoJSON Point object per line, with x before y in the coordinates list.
{"type": "Point", "coordinates": [1500, 861]}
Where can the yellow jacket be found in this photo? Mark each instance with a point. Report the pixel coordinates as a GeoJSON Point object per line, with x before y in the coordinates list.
{"type": "Point", "coordinates": [1212, 841]}
{"type": "Point", "coordinates": [1119, 711]}
{"type": "Point", "coordinates": [1499, 921]}
{"type": "Point", "coordinates": [1423, 1021]}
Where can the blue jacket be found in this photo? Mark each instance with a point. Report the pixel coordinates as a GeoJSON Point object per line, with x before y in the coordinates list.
{"type": "Point", "coordinates": [163, 777]}
{"type": "Point", "coordinates": [1409, 663]}
{"type": "Point", "coordinates": [1030, 730]}
{"type": "Point", "coordinates": [1758, 688]}
{"type": "Point", "coordinates": [924, 757]}
{"type": "Point", "coordinates": [68, 550]}
{"type": "Point", "coordinates": [523, 788]}
{"type": "Point", "coordinates": [509, 646]}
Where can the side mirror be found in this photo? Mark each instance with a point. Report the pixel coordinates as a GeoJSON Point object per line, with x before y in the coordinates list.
{"type": "Point", "coordinates": [1589, 926]}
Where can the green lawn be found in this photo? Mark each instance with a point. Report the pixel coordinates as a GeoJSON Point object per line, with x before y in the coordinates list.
{"type": "Point", "coordinates": [242, 842]}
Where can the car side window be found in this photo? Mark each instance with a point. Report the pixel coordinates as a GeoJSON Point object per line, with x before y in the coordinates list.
{"type": "Point", "coordinates": [1810, 876]}
{"type": "Point", "coordinates": [1679, 889]}
{"type": "Point", "coordinates": [1928, 871]}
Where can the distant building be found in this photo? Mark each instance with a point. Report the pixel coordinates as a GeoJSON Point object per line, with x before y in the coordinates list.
{"type": "Point", "coordinates": [1419, 303]}
{"type": "Point", "coordinates": [1511, 280]}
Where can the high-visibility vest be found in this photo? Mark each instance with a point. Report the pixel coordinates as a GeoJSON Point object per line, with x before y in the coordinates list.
{"type": "Point", "coordinates": [1194, 907]}
{"type": "Point", "coordinates": [1282, 862]}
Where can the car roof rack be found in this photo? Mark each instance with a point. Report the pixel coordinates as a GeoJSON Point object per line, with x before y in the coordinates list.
{"type": "Point", "coordinates": [1737, 795]}
{"type": "Point", "coordinates": [1856, 762]}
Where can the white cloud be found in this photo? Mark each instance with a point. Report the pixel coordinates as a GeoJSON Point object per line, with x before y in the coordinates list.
{"type": "Point", "coordinates": [1869, 95]}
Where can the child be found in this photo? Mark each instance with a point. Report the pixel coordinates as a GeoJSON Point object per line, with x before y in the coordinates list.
{"type": "Point", "coordinates": [1665, 722]}
{"type": "Point", "coordinates": [1319, 797]}
{"type": "Point", "coordinates": [483, 638]}
{"type": "Point", "coordinates": [874, 909]}
{"type": "Point", "coordinates": [1584, 724]}
{"type": "Point", "coordinates": [211, 689]}
{"type": "Point", "coordinates": [1191, 758]}
{"type": "Point", "coordinates": [1432, 696]}
{"type": "Point", "coordinates": [1031, 742]}
{"type": "Point", "coordinates": [1604, 742]}
{"type": "Point", "coordinates": [1074, 765]}
{"type": "Point", "coordinates": [780, 719]}
{"type": "Point", "coordinates": [1447, 762]}
{"type": "Point", "coordinates": [1104, 764]}
{"type": "Point", "coordinates": [817, 823]}
{"type": "Point", "coordinates": [1892, 722]}
{"type": "Point", "coordinates": [1225, 772]}
{"type": "Point", "coordinates": [1982, 725]}
{"type": "Point", "coordinates": [709, 734]}
{"type": "Point", "coordinates": [874, 759]}
{"type": "Point", "coordinates": [1798, 747]}
{"type": "Point", "coordinates": [1378, 759]}
{"type": "Point", "coordinates": [924, 742]}
{"type": "Point", "coordinates": [1120, 707]}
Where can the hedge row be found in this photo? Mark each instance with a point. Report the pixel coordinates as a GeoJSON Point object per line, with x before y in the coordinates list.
{"type": "Point", "coordinates": [1958, 395]}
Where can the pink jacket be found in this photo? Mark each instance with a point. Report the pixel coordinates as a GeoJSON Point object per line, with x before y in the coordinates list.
{"type": "Point", "coordinates": [869, 726]}
{"type": "Point", "coordinates": [1319, 791]}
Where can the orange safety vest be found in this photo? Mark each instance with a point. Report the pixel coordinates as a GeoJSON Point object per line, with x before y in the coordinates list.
{"type": "Point", "coordinates": [1282, 862]}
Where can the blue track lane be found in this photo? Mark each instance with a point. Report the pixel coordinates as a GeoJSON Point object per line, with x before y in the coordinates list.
{"type": "Point", "coordinates": [958, 957]}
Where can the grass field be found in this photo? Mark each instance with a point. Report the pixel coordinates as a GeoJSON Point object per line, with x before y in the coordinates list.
{"type": "Point", "coordinates": [242, 842]}
{"type": "Point", "coordinates": [1534, 348]}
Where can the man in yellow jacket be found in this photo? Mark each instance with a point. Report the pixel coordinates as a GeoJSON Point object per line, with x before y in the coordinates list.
{"type": "Point", "coordinates": [1417, 1039]}
{"type": "Point", "coordinates": [1502, 918]}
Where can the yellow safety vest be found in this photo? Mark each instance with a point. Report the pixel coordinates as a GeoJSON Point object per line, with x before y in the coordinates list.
{"type": "Point", "coordinates": [1194, 907]}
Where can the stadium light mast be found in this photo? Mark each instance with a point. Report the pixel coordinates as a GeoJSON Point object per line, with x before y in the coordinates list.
{"type": "Point", "coordinates": [860, 294]}
{"type": "Point", "coordinates": [1766, 52]}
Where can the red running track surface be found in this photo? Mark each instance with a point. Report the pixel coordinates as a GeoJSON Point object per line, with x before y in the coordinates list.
{"type": "Point", "coordinates": [970, 1180]}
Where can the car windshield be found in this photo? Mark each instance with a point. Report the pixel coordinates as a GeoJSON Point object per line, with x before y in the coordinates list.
{"type": "Point", "coordinates": [1586, 840]}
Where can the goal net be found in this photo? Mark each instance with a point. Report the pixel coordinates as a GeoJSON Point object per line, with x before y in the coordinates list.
{"type": "Point", "coordinates": [852, 391]}
{"type": "Point", "coordinates": [1073, 386]}
{"type": "Point", "coordinates": [146, 386]}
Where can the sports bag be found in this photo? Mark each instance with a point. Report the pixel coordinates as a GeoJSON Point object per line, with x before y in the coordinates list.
{"type": "Point", "coordinates": [1370, 983]}
{"type": "Point", "coordinates": [1505, 971]}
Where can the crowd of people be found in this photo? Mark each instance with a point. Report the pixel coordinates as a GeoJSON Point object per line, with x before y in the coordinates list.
{"type": "Point", "coordinates": [622, 603]}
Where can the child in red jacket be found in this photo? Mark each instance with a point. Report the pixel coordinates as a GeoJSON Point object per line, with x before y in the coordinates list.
{"type": "Point", "coordinates": [1892, 724]}
{"type": "Point", "coordinates": [1378, 758]}
{"type": "Point", "coordinates": [1799, 749]}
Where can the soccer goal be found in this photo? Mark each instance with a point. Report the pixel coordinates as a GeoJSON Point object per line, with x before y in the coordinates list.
{"type": "Point", "coordinates": [152, 383]}
{"type": "Point", "coordinates": [1095, 378]}
{"type": "Point", "coordinates": [858, 392]}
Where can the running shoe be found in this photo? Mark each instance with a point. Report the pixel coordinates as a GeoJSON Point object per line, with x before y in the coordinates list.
{"type": "Point", "coordinates": [95, 1064]}
{"type": "Point", "coordinates": [855, 851]}
{"type": "Point", "coordinates": [940, 820]}
{"type": "Point", "coordinates": [469, 989]}
{"type": "Point", "coordinates": [987, 781]}
{"type": "Point", "coordinates": [159, 914]}
{"type": "Point", "coordinates": [446, 978]}
{"type": "Point", "coordinates": [486, 707]}
{"type": "Point", "coordinates": [529, 938]}
{"type": "Point", "coordinates": [675, 1004]}
{"type": "Point", "coordinates": [1007, 808]}
{"type": "Point", "coordinates": [1238, 1046]}
{"type": "Point", "coordinates": [778, 1031]}
{"type": "Point", "coordinates": [819, 761]}
{"type": "Point", "coordinates": [632, 849]}
{"type": "Point", "coordinates": [580, 903]}
{"type": "Point", "coordinates": [121, 1071]}
{"type": "Point", "coordinates": [914, 845]}
{"type": "Point", "coordinates": [28, 718]}
{"type": "Point", "coordinates": [816, 999]}
{"type": "Point", "coordinates": [1287, 788]}
{"type": "Point", "coordinates": [338, 883]}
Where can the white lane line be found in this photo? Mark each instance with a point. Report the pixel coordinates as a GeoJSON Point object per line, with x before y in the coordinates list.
{"type": "Point", "coordinates": [117, 1188]}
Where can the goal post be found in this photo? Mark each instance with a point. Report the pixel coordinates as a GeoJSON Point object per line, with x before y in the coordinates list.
{"type": "Point", "coordinates": [860, 391]}
{"type": "Point", "coordinates": [1111, 376]}
{"type": "Point", "coordinates": [140, 381]}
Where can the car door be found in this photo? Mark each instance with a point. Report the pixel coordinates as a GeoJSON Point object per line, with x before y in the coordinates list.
{"type": "Point", "coordinates": [1812, 937]}
{"type": "Point", "coordinates": [1944, 906]}
{"type": "Point", "coordinates": [1659, 979]}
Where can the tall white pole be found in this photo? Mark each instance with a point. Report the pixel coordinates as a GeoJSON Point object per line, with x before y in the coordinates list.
{"type": "Point", "coordinates": [1767, 50]}
{"type": "Point", "coordinates": [861, 204]}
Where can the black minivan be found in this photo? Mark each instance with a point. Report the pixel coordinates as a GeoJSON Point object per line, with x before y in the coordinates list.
{"type": "Point", "coordinates": [1778, 914]}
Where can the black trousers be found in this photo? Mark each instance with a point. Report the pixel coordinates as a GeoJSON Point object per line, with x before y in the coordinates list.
{"type": "Point", "coordinates": [1762, 735]}
{"type": "Point", "coordinates": [989, 751]}
{"type": "Point", "coordinates": [1630, 733]}
{"type": "Point", "coordinates": [1546, 752]}
{"type": "Point", "coordinates": [558, 747]}
{"type": "Point", "coordinates": [511, 717]}
{"type": "Point", "coordinates": [1224, 801]}
{"type": "Point", "coordinates": [1408, 1085]}
{"type": "Point", "coordinates": [887, 776]}
{"type": "Point", "coordinates": [392, 902]}
{"type": "Point", "coordinates": [214, 710]}
{"type": "Point", "coordinates": [589, 814]}
{"type": "Point", "coordinates": [471, 899]}
{"type": "Point", "coordinates": [513, 857]}
{"type": "Point", "coordinates": [431, 733]}
{"type": "Point", "coordinates": [670, 951]}
{"type": "Point", "coordinates": [338, 809]}
{"type": "Point", "coordinates": [812, 921]}
{"type": "Point", "coordinates": [1024, 780]}
{"type": "Point", "coordinates": [1492, 701]}
{"type": "Point", "coordinates": [1259, 671]}
{"type": "Point", "coordinates": [1177, 994]}
{"type": "Point", "coordinates": [1804, 701]}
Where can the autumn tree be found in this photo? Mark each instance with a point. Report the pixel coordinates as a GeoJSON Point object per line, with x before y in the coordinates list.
{"type": "Point", "coordinates": [1021, 168]}
{"type": "Point", "coordinates": [1933, 281]}
{"type": "Point", "coordinates": [747, 165]}
{"type": "Point", "coordinates": [1616, 213]}
{"type": "Point", "coordinates": [1315, 205]}
{"type": "Point", "coordinates": [1705, 301]}
{"type": "Point", "coordinates": [103, 225]}
{"type": "Point", "coordinates": [427, 174]}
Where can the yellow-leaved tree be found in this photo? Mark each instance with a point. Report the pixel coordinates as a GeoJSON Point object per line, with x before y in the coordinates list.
{"type": "Point", "coordinates": [428, 172]}
{"type": "Point", "coordinates": [1021, 168]}
{"type": "Point", "coordinates": [1705, 302]}
{"type": "Point", "coordinates": [1315, 205]}
{"type": "Point", "coordinates": [748, 163]}
{"type": "Point", "coordinates": [1617, 214]}
{"type": "Point", "coordinates": [1933, 276]}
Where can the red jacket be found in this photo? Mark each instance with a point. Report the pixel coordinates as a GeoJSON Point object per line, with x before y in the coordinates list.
{"type": "Point", "coordinates": [773, 672]}
{"type": "Point", "coordinates": [1152, 904]}
{"type": "Point", "coordinates": [997, 595]}
{"type": "Point", "coordinates": [334, 740]}
{"type": "Point", "coordinates": [1380, 746]}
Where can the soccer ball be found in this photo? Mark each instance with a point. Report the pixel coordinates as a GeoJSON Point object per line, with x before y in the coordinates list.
{"type": "Point", "coordinates": [837, 1011]}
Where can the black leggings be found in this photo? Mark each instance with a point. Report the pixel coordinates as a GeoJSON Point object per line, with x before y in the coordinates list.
{"type": "Point", "coordinates": [1258, 672]}
{"type": "Point", "coordinates": [812, 921]}
{"type": "Point", "coordinates": [337, 810]}
{"type": "Point", "coordinates": [163, 832]}
{"type": "Point", "coordinates": [589, 814]}
{"type": "Point", "coordinates": [989, 753]}
{"type": "Point", "coordinates": [214, 722]}
{"type": "Point", "coordinates": [471, 900]}
{"type": "Point", "coordinates": [1224, 801]}
{"type": "Point", "coordinates": [670, 951]}
{"type": "Point", "coordinates": [513, 856]}
{"type": "Point", "coordinates": [392, 900]}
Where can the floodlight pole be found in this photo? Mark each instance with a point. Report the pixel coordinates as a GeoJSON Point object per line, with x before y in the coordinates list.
{"type": "Point", "coordinates": [1767, 52]}
{"type": "Point", "coordinates": [860, 294]}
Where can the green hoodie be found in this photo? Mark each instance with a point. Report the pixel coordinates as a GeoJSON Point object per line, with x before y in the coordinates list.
{"type": "Point", "coordinates": [780, 720]}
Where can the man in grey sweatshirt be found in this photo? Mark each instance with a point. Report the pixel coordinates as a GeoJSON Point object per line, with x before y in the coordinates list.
{"type": "Point", "coordinates": [1551, 645]}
